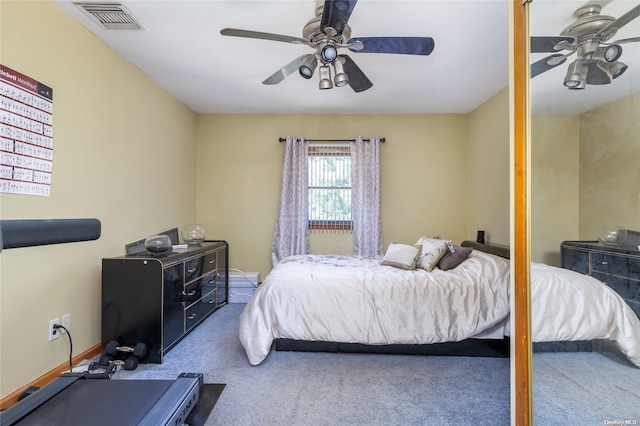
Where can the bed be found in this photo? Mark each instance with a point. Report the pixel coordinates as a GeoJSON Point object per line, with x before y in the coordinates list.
{"type": "Point", "coordinates": [348, 303]}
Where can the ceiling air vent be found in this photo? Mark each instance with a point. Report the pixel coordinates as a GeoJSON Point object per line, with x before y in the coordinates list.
{"type": "Point", "coordinates": [112, 16]}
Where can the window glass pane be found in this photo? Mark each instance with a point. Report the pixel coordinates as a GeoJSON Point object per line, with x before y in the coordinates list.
{"type": "Point", "coordinates": [330, 187]}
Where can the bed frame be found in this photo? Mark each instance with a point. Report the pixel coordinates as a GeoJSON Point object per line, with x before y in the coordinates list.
{"type": "Point", "coordinates": [470, 347]}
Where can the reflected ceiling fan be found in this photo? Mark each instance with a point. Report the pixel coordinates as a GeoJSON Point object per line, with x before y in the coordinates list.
{"type": "Point", "coordinates": [588, 37]}
{"type": "Point", "coordinates": [328, 32]}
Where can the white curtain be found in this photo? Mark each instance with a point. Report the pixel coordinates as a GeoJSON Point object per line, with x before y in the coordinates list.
{"type": "Point", "coordinates": [291, 234]}
{"type": "Point", "coordinates": [365, 197]}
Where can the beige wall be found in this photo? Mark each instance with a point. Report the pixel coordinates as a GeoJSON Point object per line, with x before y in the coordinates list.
{"type": "Point", "coordinates": [554, 182]}
{"type": "Point", "coordinates": [488, 167]}
{"type": "Point", "coordinates": [610, 167]}
{"type": "Point", "coordinates": [424, 177]}
{"type": "Point", "coordinates": [442, 174]}
{"type": "Point", "coordinates": [584, 175]}
{"type": "Point", "coordinates": [124, 152]}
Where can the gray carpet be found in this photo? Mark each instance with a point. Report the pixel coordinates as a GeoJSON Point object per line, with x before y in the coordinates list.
{"type": "Point", "coordinates": [295, 388]}
{"type": "Point", "coordinates": [586, 388]}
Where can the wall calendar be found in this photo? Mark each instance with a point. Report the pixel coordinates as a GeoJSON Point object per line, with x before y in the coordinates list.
{"type": "Point", "coordinates": [26, 134]}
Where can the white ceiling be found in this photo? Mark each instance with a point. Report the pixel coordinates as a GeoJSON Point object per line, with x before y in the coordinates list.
{"type": "Point", "coordinates": [182, 50]}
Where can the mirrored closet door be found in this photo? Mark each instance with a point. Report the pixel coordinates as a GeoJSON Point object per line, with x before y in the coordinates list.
{"type": "Point", "coordinates": [585, 178]}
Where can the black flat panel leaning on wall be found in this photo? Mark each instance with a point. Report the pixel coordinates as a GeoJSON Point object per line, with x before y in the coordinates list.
{"type": "Point", "coordinates": [38, 232]}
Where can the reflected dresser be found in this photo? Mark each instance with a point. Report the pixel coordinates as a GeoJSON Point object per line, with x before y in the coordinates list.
{"type": "Point", "coordinates": [618, 267]}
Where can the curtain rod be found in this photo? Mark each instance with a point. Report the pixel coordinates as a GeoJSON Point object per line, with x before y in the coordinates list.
{"type": "Point", "coordinates": [331, 140]}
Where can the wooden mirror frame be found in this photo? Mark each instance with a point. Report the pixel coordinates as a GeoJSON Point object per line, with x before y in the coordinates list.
{"type": "Point", "coordinates": [521, 389]}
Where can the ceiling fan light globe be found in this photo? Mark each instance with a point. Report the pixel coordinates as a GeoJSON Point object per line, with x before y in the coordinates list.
{"type": "Point", "coordinates": [613, 69]}
{"type": "Point", "coordinates": [572, 83]}
{"type": "Point", "coordinates": [617, 69]}
{"type": "Point", "coordinates": [341, 80]}
{"type": "Point", "coordinates": [608, 53]}
{"type": "Point", "coordinates": [619, 72]}
{"type": "Point", "coordinates": [612, 53]}
{"type": "Point", "coordinates": [329, 53]}
{"type": "Point", "coordinates": [305, 71]}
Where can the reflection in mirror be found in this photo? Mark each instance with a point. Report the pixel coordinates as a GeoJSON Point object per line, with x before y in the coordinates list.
{"type": "Point", "coordinates": [585, 175]}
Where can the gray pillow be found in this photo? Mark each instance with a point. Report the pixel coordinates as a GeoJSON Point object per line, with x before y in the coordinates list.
{"type": "Point", "coordinates": [452, 260]}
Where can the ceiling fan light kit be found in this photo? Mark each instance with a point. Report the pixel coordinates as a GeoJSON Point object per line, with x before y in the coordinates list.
{"type": "Point", "coordinates": [597, 59]}
{"type": "Point", "coordinates": [327, 33]}
{"type": "Point", "coordinates": [576, 75]}
{"type": "Point", "coordinates": [325, 77]}
{"type": "Point", "coordinates": [308, 67]}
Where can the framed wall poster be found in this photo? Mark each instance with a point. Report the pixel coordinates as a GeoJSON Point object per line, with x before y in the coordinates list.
{"type": "Point", "coordinates": [26, 134]}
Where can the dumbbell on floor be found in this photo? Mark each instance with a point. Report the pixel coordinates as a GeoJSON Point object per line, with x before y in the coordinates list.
{"type": "Point", "coordinates": [130, 363]}
{"type": "Point", "coordinates": [113, 347]}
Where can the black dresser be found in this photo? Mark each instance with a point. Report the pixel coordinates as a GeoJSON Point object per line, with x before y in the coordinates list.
{"type": "Point", "coordinates": [619, 268]}
{"type": "Point", "coordinates": [157, 300]}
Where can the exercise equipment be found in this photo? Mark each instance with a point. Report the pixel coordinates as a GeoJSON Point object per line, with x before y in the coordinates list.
{"type": "Point", "coordinates": [74, 400]}
{"type": "Point", "coordinates": [113, 348]}
{"type": "Point", "coordinates": [117, 355]}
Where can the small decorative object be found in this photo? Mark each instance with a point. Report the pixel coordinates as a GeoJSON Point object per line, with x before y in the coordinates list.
{"type": "Point", "coordinates": [480, 237]}
{"type": "Point", "coordinates": [612, 235]}
{"type": "Point", "coordinates": [193, 234]}
{"type": "Point", "coordinates": [158, 243]}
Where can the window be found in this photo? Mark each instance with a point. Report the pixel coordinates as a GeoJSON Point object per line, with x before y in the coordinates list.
{"type": "Point", "coordinates": [329, 188]}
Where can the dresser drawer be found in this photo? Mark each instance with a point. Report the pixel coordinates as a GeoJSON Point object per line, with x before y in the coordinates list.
{"type": "Point", "coordinates": [623, 266]}
{"type": "Point", "coordinates": [576, 260]}
{"type": "Point", "coordinates": [196, 289]}
{"type": "Point", "coordinates": [199, 310]}
{"type": "Point", "coordinates": [628, 289]}
{"type": "Point", "coordinates": [199, 266]}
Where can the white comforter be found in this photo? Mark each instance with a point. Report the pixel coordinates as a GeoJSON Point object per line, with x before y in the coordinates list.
{"type": "Point", "coordinates": [357, 300]}
{"type": "Point", "coordinates": [566, 305]}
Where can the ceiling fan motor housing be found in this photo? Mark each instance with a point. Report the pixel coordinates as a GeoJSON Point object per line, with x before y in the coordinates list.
{"type": "Point", "coordinates": [588, 23]}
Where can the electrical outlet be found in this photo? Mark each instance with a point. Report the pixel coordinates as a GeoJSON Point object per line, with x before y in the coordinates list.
{"type": "Point", "coordinates": [53, 333]}
{"type": "Point", "coordinates": [66, 322]}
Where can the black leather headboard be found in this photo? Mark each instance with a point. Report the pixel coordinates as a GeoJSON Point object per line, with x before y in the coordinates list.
{"type": "Point", "coordinates": [497, 249]}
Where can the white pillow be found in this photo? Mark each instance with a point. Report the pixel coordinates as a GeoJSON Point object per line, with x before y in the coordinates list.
{"type": "Point", "coordinates": [432, 251]}
{"type": "Point", "coordinates": [402, 256]}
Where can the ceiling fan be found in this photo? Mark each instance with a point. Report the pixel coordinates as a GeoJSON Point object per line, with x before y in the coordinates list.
{"type": "Point", "coordinates": [588, 37]}
{"type": "Point", "coordinates": [328, 32]}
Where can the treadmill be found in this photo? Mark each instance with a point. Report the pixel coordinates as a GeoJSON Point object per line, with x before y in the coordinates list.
{"type": "Point", "coordinates": [75, 399]}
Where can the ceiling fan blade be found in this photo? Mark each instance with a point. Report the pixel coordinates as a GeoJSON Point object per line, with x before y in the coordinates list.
{"type": "Point", "coordinates": [596, 75]}
{"type": "Point", "coordinates": [623, 41]}
{"type": "Point", "coordinates": [399, 45]}
{"type": "Point", "coordinates": [235, 32]}
{"type": "Point", "coordinates": [548, 44]}
{"type": "Point", "coordinates": [543, 65]}
{"type": "Point", "coordinates": [286, 71]}
{"type": "Point", "coordinates": [357, 80]}
{"type": "Point", "coordinates": [336, 13]}
{"type": "Point", "coordinates": [611, 29]}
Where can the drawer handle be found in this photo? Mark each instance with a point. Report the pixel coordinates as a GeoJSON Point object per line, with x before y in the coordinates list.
{"type": "Point", "coordinates": [192, 270]}
{"type": "Point", "coordinates": [211, 301]}
{"type": "Point", "coordinates": [192, 316]}
{"type": "Point", "coordinates": [603, 262]}
{"type": "Point", "coordinates": [211, 262]}
{"type": "Point", "coordinates": [190, 293]}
